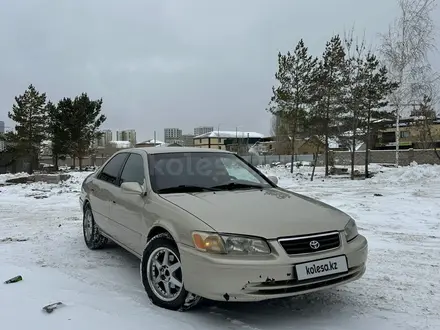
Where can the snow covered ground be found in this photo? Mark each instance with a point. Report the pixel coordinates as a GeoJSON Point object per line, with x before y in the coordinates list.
{"type": "Point", "coordinates": [41, 239]}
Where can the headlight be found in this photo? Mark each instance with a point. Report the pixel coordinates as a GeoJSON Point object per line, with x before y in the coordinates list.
{"type": "Point", "coordinates": [351, 230]}
{"type": "Point", "coordinates": [229, 244]}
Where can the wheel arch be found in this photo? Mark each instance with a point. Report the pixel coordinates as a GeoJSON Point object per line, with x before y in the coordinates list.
{"type": "Point", "coordinates": [86, 203]}
{"type": "Point", "coordinates": [160, 229]}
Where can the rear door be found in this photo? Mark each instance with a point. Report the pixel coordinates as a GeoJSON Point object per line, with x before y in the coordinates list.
{"type": "Point", "coordinates": [127, 210]}
{"type": "Point", "coordinates": [101, 191]}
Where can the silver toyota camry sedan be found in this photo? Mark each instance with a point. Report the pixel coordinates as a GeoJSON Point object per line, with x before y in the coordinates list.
{"type": "Point", "coordinates": [207, 224]}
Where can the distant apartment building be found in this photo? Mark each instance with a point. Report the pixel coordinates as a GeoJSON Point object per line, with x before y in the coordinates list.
{"type": "Point", "coordinates": [172, 135]}
{"type": "Point", "coordinates": [127, 135]}
{"type": "Point", "coordinates": [106, 137]}
{"type": "Point", "coordinates": [411, 134]}
{"type": "Point", "coordinates": [203, 130]}
{"type": "Point", "coordinates": [187, 140]}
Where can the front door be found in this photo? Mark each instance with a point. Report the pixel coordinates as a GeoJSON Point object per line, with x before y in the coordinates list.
{"type": "Point", "coordinates": [126, 210]}
{"type": "Point", "coordinates": [102, 192]}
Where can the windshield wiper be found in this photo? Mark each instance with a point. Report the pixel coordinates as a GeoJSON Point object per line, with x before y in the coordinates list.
{"type": "Point", "coordinates": [237, 185]}
{"type": "Point", "coordinates": [185, 188]}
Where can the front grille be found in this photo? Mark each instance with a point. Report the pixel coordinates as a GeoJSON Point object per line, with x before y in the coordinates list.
{"type": "Point", "coordinates": [307, 244]}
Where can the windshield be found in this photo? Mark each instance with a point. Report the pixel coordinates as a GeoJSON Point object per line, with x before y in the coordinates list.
{"type": "Point", "coordinates": [201, 171]}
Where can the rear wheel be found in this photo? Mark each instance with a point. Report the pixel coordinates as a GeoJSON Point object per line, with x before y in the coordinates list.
{"type": "Point", "coordinates": [162, 277]}
{"type": "Point", "coordinates": [92, 237]}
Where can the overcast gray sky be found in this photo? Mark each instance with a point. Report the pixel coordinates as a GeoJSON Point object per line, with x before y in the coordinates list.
{"type": "Point", "coordinates": [169, 63]}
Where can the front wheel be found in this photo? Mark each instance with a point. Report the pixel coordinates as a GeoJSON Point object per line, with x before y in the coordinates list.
{"type": "Point", "coordinates": [162, 277]}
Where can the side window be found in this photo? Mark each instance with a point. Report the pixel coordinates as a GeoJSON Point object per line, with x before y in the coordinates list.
{"type": "Point", "coordinates": [133, 170]}
{"type": "Point", "coordinates": [110, 172]}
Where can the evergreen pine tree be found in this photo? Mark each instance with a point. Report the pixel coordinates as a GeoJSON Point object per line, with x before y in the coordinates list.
{"type": "Point", "coordinates": [30, 114]}
{"type": "Point", "coordinates": [85, 118]}
{"type": "Point", "coordinates": [328, 92]}
{"type": "Point", "coordinates": [57, 130]}
{"type": "Point", "coordinates": [291, 99]}
{"type": "Point", "coordinates": [377, 90]}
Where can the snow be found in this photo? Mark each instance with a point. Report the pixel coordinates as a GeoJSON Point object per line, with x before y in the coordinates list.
{"type": "Point", "coordinates": [4, 177]}
{"type": "Point", "coordinates": [158, 142]}
{"type": "Point", "coordinates": [121, 144]}
{"type": "Point", "coordinates": [230, 134]}
{"type": "Point", "coordinates": [41, 239]}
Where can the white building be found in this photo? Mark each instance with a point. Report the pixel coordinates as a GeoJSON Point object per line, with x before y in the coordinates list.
{"type": "Point", "coordinates": [227, 140]}
{"type": "Point", "coordinates": [203, 130]}
{"type": "Point", "coordinates": [126, 135]}
{"type": "Point", "coordinates": [106, 137]}
{"type": "Point", "coordinates": [172, 135]}
{"type": "Point", "coordinates": [120, 144]}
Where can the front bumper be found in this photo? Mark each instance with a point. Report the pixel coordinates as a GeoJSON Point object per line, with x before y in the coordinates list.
{"type": "Point", "coordinates": [220, 277]}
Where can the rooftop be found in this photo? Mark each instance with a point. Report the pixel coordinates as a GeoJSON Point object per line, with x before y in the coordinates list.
{"type": "Point", "coordinates": [151, 141]}
{"type": "Point", "coordinates": [230, 134]}
{"type": "Point", "coordinates": [168, 150]}
{"type": "Point", "coordinates": [121, 144]}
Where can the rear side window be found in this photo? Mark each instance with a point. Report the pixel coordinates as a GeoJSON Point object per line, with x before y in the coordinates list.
{"type": "Point", "coordinates": [110, 172]}
{"type": "Point", "coordinates": [133, 170]}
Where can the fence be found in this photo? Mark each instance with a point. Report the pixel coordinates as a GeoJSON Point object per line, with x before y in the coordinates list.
{"type": "Point", "coordinates": [406, 157]}
{"type": "Point", "coordinates": [270, 159]}
{"type": "Point", "coordinates": [343, 158]}
{"type": "Point", "coordinates": [9, 163]}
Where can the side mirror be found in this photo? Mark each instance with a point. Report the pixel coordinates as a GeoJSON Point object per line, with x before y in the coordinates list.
{"type": "Point", "coordinates": [133, 188]}
{"type": "Point", "coordinates": [273, 178]}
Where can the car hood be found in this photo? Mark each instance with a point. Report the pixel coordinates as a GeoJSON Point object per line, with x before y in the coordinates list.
{"type": "Point", "coordinates": [268, 213]}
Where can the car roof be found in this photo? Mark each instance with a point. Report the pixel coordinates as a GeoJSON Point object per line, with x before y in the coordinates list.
{"type": "Point", "coordinates": [168, 150]}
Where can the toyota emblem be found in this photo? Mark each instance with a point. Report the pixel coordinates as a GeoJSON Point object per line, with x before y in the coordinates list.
{"type": "Point", "coordinates": [314, 245]}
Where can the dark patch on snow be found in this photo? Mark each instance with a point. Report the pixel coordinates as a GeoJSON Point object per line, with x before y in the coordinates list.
{"type": "Point", "coordinates": [50, 308]}
{"type": "Point", "coordinates": [226, 296]}
{"type": "Point", "coordinates": [15, 279]}
{"type": "Point", "coordinates": [40, 178]}
{"type": "Point", "coordinates": [13, 239]}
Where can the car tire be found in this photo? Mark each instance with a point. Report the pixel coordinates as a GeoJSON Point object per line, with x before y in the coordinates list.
{"type": "Point", "coordinates": [155, 279]}
{"type": "Point", "coordinates": [92, 237]}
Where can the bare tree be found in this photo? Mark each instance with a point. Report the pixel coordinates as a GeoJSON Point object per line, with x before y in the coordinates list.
{"type": "Point", "coordinates": [355, 49]}
{"type": "Point", "coordinates": [405, 49]}
{"type": "Point", "coordinates": [425, 117]}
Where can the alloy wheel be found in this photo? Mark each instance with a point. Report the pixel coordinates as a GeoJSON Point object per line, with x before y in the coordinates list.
{"type": "Point", "coordinates": [164, 274]}
{"type": "Point", "coordinates": [88, 224]}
